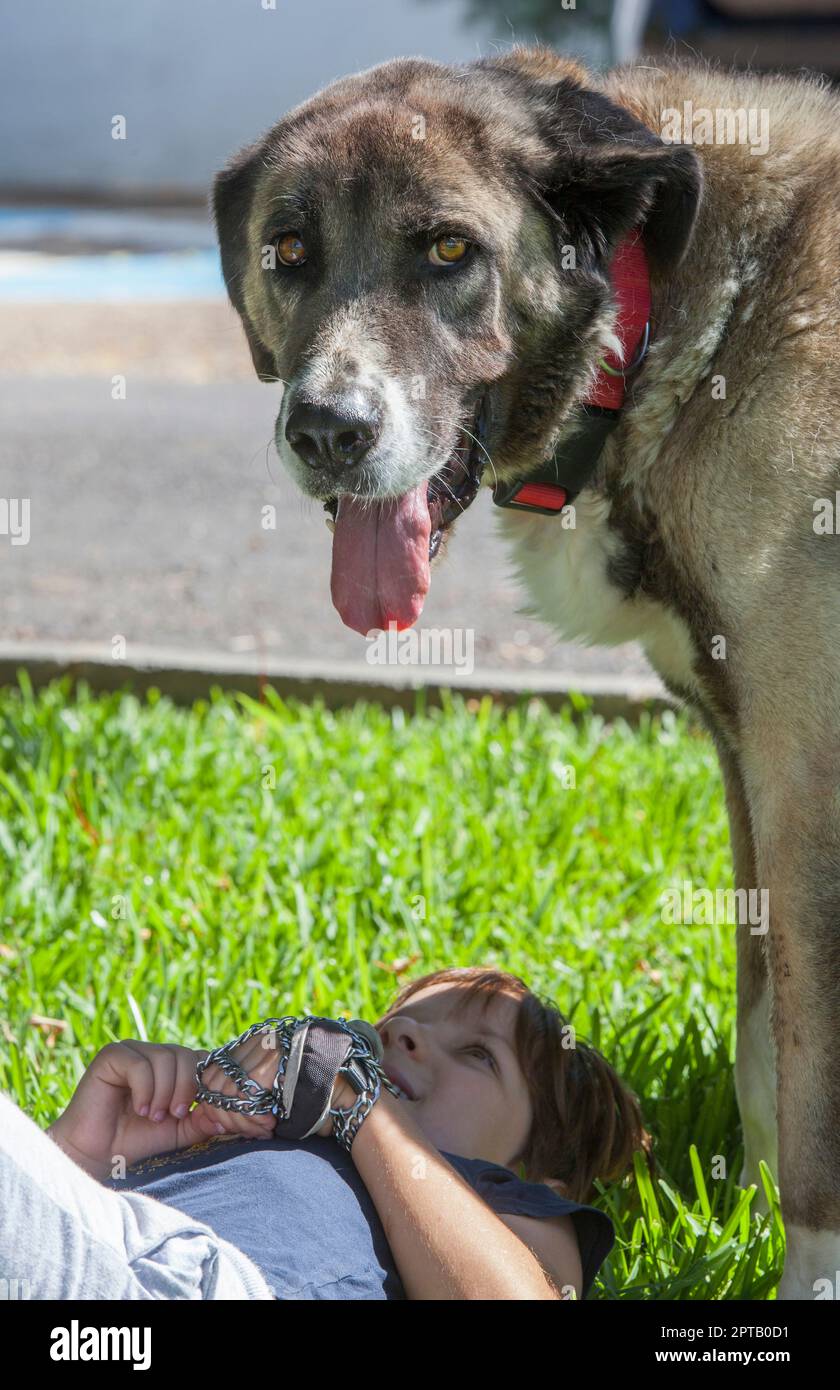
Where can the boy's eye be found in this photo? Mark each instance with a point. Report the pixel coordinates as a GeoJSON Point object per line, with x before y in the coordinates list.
{"type": "Point", "coordinates": [478, 1047]}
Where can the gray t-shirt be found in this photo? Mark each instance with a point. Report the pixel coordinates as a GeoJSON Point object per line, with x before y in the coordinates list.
{"type": "Point", "coordinates": [301, 1212]}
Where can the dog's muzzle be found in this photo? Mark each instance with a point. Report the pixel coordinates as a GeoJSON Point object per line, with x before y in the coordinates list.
{"type": "Point", "coordinates": [383, 547]}
{"type": "Point", "coordinates": [452, 489]}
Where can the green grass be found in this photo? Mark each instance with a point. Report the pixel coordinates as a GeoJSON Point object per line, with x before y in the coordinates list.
{"type": "Point", "coordinates": [156, 885]}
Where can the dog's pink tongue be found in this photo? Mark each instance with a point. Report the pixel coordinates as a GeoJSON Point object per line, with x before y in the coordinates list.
{"type": "Point", "coordinates": [380, 560]}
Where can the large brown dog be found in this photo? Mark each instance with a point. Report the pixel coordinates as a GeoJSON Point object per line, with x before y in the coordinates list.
{"type": "Point", "coordinates": [421, 254]}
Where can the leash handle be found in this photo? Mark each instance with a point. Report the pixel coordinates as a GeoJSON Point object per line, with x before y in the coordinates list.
{"type": "Point", "coordinates": [313, 1052]}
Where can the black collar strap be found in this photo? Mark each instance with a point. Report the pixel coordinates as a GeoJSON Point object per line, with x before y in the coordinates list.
{"type": "Point", "coordinates": [549, 488]}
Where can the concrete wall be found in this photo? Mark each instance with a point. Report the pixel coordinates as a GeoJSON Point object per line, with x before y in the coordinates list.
{"type": "Point", "coordinates": [193, 78]}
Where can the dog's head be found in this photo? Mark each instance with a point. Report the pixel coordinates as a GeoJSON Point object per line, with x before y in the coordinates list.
{"type": "Point", "coordinates": [420, 255]}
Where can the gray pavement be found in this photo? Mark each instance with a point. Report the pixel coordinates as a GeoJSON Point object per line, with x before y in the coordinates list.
{"type": "Point", "coordinates": [145, 513]}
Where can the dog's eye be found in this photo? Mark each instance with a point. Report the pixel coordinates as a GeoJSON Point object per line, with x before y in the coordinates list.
{"type": "Point", "coordinates": [448, 250]}
{"type": "Point", "coordinates": [290, 249]}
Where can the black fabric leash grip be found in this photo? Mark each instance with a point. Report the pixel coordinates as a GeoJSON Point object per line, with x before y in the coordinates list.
{"type": "Point", "coordinates": [314, 1052]}
{"type": "Point", "coordinates": [317, 1054]}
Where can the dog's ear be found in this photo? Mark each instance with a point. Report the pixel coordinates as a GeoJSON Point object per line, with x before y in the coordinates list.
{"type": "Point", "coordinates": [615, 173]}
{"type": "Point", "coordinates": [232, 193]}
{"type": "Point", "coordinates": [605, 171]}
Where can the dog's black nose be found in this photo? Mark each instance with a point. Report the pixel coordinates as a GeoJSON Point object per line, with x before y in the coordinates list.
{"type": "Point", "coordinates": [334, 437]}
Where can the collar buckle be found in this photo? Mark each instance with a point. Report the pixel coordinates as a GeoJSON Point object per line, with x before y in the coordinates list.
{"type": "Point", "coordinates": [542, 490]}
{"type": "Point", "coordinates": [531, 495]}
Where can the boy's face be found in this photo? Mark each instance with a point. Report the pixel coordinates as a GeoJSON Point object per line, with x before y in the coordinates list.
{"type": "Point", "coordinates": [459, 1063]}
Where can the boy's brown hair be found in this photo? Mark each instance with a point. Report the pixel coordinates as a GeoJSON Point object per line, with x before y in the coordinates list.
{"type": "Point", "coordinates": [586, 1122]}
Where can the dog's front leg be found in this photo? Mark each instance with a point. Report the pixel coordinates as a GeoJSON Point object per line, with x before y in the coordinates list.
{"type": "Point", "coordinates": [755, 1070]}
{"type": "Point", "coordinates": [796, 826]}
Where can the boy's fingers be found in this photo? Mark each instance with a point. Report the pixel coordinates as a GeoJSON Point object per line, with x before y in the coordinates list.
{"type": "Point", "coordinates": [251, 1126]}
{"type": "Point", "coordinates": [257, 1062]}
{"type": "Point", "coordinates": [216, 1080]}
{"type": "Point", "coordinates": [262, 1062]}
{"type": "Point", "coordinates": [150, 1071]}
{"type": "Point", "coordinates": [257, 1126]}
{"type": "Point", "coordinates": [204, 1121]}
{"type": "Point", "coordinates": [183, 1092]}
{"type": "Point", "coordinates": [246, 1126]}
{"type": "Point", "coordinates": [213, 1079]}
{"type": "Point", "coordinates": [166, 1071]}
{"type": "Point", "coordinates": [132, 1068]}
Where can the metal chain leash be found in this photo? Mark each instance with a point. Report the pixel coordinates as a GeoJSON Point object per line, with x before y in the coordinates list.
{"type": "Point", "coordinates": [361, 1067]}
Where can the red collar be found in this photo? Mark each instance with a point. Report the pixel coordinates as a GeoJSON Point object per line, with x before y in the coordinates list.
{"type": "Point", "coordinates": [556, 482]}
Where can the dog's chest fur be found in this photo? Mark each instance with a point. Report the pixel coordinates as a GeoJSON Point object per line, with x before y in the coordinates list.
{"type": "Point", "coordinates": [566, 573]}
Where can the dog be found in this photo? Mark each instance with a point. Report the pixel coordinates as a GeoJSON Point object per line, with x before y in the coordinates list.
{"type": "Point", "coordinates": [566, 286]}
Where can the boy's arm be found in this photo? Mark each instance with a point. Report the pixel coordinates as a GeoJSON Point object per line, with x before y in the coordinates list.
{"type": "Point", "coordinates": [446, 1241]}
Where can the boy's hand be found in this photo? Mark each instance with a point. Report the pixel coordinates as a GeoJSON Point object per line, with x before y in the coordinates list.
{"type": "Point", "coordinates": [103, 1120]}
{"type": "Point", "coordinates": [258, 1058]}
